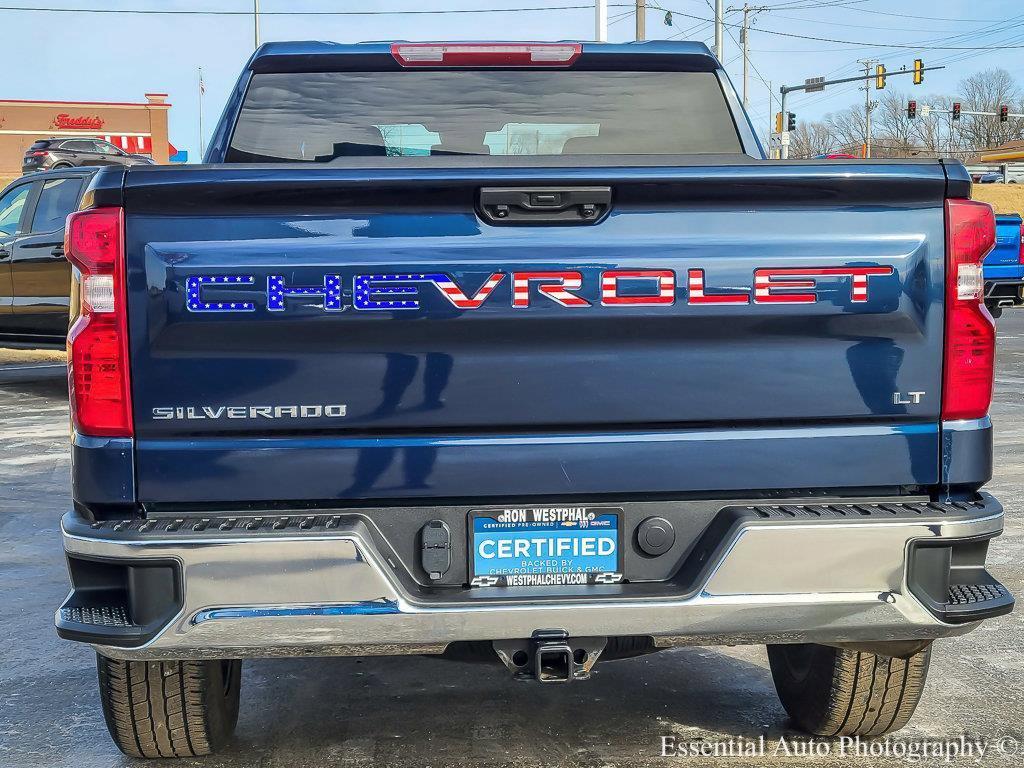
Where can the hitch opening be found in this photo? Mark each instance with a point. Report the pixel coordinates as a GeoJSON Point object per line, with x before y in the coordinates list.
{"type": "Point", "coordinates": [553, 663]}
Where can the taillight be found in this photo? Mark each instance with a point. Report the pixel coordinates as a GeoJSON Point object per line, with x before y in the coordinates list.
{"type": "Point", "coordinates": [98, 340]}
{"type": "Point", "coordinates": [1020, 256]}
{"type": "Point", "coordinates": [486, 54]}
{"type": "Point", "coordinates": [970, 332]}
{"type": "Point", "coordinates": [36, 153]}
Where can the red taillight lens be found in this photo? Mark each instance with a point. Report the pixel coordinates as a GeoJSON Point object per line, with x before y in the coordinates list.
{"type": "Point", "coordinates": [486, 54]}
{"type": "Point", "coordinates": [98, 340]}
{"type": "Point", "coordinates": [970, 332]}
{"type": "Point", "coordinates": [36, 153]}
{"type": "Point", "coordinates": [1020, 256]}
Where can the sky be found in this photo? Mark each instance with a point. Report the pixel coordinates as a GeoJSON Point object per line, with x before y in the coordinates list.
{"type": "Point", "coordinates": [120, 56]}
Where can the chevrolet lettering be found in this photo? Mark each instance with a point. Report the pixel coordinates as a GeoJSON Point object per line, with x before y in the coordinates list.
{"type": "Point", "coordinates": [566, 288]}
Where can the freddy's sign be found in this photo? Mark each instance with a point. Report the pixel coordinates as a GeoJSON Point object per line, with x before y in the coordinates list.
{"type": "Point", "coordinates": [85, 122]}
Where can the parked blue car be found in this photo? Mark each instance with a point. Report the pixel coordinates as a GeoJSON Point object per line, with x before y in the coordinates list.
{"type": "Point", "coordinates": [1004, 266]}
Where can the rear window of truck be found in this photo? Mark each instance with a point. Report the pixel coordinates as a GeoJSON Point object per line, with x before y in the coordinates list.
{"type": "Point", "coordinates": [325, 117]}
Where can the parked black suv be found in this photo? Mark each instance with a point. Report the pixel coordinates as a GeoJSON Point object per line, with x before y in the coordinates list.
{"type": "Point", "coordinates": [48, 154]}
{"type": "Point", "coordinates": [35, 278]}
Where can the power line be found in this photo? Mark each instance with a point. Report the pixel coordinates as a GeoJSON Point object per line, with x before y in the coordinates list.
{"type": "Point", "coordinates": [800, 5]}
{"type": "Point", "coordinates": [186, 12]}
{"type": "Point", "coordinates": [852, 26]}
{"type": "Point", "coordinates": [846, 42]}
{"type": "Point", "coordinates": [938, 18]}
{"type": "Point", "coordinates": [449, 11]}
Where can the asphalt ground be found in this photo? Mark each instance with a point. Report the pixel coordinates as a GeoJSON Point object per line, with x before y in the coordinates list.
{"type": "Point", "coordinates": [429, 712]}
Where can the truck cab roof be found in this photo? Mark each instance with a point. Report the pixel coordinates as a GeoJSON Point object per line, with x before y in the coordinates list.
{"type": "Point", "coordinates": [314, 55]}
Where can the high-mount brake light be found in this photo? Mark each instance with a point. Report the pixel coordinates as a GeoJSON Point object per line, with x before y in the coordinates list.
{"type": "Point", "coordinates": [98, 340]}
{"type": "Point", "coordinates": [486, 54]}
{"type": "Point", "coordinates": [969, 364]}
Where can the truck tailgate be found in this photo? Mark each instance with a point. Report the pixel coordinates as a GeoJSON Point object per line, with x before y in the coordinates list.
{"type": "Point", "coordinates": [259, 378]}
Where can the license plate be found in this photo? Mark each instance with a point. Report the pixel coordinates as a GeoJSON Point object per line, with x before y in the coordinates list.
{"type": "Point", "coordinates": [545, 546]}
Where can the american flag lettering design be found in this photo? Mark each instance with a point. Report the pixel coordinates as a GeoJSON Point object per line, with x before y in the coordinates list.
{"type": "Point", "coordinates": [388, 291]}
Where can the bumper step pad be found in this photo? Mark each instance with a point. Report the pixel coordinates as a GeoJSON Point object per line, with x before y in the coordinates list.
{"type": "Point", "coordinates": [245, 526]}
{"type": "Point", "coordinates": [104, 616]}
{"type": "Point", "coordinates": [972, 602]}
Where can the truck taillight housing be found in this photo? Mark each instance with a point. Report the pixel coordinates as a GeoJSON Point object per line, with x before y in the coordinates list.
{"type": "Point", "coordinates": [1020, 255]}
{"type": "Point", "coordinates": [969, 364]}
{"type": "Point", "coordinates": [98, 340]}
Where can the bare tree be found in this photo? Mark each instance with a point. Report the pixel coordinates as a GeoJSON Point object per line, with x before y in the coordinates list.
{"type": "Point", "coordinates": [809, 140]}
{"type": "Point", "coordinates": [894, 132]}
{"type": "Point", "coordinates": [986, 92]}
{"type": "Point", "coordinates": [848, 129]}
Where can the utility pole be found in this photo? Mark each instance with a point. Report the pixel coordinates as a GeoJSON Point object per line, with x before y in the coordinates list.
{"type": "Point", "coordinates": [744, 40]}
{"type": "Point", "coordinates": [868, 106]}
{"type": "Point", "coordinates": [720, 30]}
{"type": "Point", "coordinates": [256, 21]}
{"type": "Point", "coordinates": [202, 92]}
{"type": "Point", "coordinates": [601, 21]}
{"type": "Point", "coordinates": [641, 11]}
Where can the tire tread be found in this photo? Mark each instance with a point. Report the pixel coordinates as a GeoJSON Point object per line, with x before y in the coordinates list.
{"type": "Point", "coordinates": [166, 708]}
{"type": "Point", "coordinates": [850, 693]}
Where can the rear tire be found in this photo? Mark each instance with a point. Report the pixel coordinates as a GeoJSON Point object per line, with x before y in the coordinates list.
{"type": "Point", "coordinates": [60, 166]}
{"type": "Point", "coordinates": [838, 692]}
{"type": "Point", "coordinates": [169, 708]}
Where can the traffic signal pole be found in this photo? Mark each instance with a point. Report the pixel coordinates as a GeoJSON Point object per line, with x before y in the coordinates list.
{"type": "Point", "coordinates": [819, 85]}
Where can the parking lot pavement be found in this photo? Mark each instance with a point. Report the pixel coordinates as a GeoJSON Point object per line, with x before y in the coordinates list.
{"type": "Point", "coordinates": [421, 711]}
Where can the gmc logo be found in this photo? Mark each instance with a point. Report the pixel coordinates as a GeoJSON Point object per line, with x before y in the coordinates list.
{"type": "Point", "coordinates": [649, 287]}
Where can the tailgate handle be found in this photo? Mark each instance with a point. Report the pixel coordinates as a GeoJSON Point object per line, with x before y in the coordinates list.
{"type": "Point", "coordinates": [544, 205]}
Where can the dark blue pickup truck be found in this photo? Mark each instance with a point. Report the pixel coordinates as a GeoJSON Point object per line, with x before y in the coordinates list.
{"type": "Point", "coordinates": [522, 353]}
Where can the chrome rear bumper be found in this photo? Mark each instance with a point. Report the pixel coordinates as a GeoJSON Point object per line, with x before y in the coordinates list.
{"type": "Point", "coordinates": [329, 591]}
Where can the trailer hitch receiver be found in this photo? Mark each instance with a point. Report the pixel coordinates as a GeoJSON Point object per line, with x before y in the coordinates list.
{"type": "Point", "coordinates": [550, 656]}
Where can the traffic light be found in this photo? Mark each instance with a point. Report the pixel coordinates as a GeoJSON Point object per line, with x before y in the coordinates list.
{"type": "Point", "coordinates": [778, 122]}
{"type": "Point", "coordinates": [956, 110]}
{"type": "Point", "coordinates": [791, 121]}
{"type": "Point", "coordinates": [1004, 113]}
{"type": "Point", "coordinates": [880, 77]}
{"type": "Point", "coordinates": [911, 109]}
{"type": "Point", "coordinates": [918, 71]}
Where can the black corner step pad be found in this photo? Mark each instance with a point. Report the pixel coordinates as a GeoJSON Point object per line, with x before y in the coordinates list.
{"type": "Point", "coordinates": [972, 594]}
{"type": "Point", "coordinates": [973, 602]}
{"type": "Point", "coordinates": [104, 624]}
{"type": "Point", "coordinates": [104, 616]}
